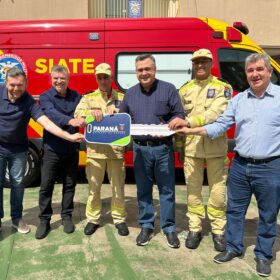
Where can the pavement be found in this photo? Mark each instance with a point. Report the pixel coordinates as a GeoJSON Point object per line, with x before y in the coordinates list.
{"type": "Point", "coordinates": [106, 255]}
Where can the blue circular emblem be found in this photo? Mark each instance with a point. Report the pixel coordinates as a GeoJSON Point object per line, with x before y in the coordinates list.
{"type": "Point", "coordinates": [8, 61]}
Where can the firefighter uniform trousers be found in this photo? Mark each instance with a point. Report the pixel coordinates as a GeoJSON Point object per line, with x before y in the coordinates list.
{"type": "Point", "coordinates": [203, 102]}
{"type": "Point", "coordinates": [103, 158]}
{"type": "Point", "coordinates": [217, 170]}
{"type": "Point", "coordinates": [95, 171]}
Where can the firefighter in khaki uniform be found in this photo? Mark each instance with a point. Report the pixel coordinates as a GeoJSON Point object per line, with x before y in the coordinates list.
{"type": "Point", "coordinates": [101, 158]}
{"type": "Point", "coordinates": [204, 99]}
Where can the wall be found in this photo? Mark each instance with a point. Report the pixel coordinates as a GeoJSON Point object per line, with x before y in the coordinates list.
{"type": "Point", "coordinates": [43, 9]}
{"type": "Point", "coordinates": [260, 16]}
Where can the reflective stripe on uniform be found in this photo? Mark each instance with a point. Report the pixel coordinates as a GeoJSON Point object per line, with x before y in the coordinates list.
{"type": "Point", "coordinates": [199, 121]}
{"type": "Point", "coordinates": [118, 211]}
{"type": "Point", "coordinates": [216, 212]}
{"type": "Point", "coordinates": [89, 208]}
{"type": "Point", "coordinates": [198, 210]}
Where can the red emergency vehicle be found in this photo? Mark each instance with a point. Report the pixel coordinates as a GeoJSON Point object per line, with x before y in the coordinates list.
{"type": "Point", "coordinates": [80, 45]}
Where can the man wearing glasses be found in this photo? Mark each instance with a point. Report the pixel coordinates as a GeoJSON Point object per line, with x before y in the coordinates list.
{"type": "Point", "coordinates": [204, 98]}
{"type": "Point", "coordinates": [153, 101]}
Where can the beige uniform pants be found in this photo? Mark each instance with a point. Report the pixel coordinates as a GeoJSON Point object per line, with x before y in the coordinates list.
{"type": "Point", "coordinates": [95, 171]}
{"type": "Point", "coordinates": [217, 170]}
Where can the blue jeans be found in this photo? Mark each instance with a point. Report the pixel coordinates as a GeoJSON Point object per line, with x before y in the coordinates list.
{"type": "Point", "coordinates": [262, 180]}
{"type": "Point", "coordinates": [155, 164]}
{"type": "Point", "coordinates": [16, 163]}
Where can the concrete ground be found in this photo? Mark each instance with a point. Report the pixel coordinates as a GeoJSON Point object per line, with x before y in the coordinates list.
{"type": "Point", "coordinates": [106, 255]}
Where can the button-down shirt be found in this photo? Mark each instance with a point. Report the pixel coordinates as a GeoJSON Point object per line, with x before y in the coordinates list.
{"type": "Point", "coordinates": [257, 120]}
{"type": "Point", "coordinates": [14, 119]}
{"type": "Point", "coordinates": [161, 104]}
{"type": "Point", "coordinates": [60, 110]}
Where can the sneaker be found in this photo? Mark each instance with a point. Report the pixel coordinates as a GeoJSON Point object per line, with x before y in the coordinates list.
{"type": "Point", "coordinates": [172, 239]}
{"type": "Point", "coordinates": [144, 236]}
{"type": "Point", "coordinates": [43, 229]}
{"type": "Point", "coordinates": [68, 225]}
{"type": "Point", "coordinates": [20, 225]}
{"type": "Point", "coordinates": [193, 239]}
{"type": "Point", "coordinates": [90, 228]}
{"type": "Point", "coordinates": [122, 229]}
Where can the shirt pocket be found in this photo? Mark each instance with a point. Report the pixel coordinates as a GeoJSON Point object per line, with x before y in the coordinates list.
{"type": "Point", "coordinates": [161, 108]}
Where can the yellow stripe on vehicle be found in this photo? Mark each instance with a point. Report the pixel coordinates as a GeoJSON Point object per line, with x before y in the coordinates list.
{"type": "Point", "coordinates": [82, 158]}
{"type": "Point", "coordinates": [36, 127]}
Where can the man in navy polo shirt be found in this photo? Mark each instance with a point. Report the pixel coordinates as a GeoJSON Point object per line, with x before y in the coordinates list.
{"type": "Point", "coordinates": [59, 156]}
{"type": "Point", "coordinates": [16, 109]}
{"type": "Point", "coordinates": [153, 102]}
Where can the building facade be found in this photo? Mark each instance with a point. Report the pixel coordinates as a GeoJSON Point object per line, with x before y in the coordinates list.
{"type": "Point", "coordinates": [260, 16]}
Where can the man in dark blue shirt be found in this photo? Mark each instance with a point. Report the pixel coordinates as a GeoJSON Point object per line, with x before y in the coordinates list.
{"type": "Point", "coordinates": [59, 156]}
{"type": "Point", "coordinates": [16, 109]}
{"type": "Point", "coordinates": [153, 102]}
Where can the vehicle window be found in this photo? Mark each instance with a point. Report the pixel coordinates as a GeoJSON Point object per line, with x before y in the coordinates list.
{"type": "Point", "coordinates": [175, 68]}
{"type": "Point", "coordinates": [232, 67]}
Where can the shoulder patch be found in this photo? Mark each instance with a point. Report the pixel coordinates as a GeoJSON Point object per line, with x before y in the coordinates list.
{"type": "Point", "coordinates": [227, 87]}
{"type": "Point", "coordinates": [227, 92]}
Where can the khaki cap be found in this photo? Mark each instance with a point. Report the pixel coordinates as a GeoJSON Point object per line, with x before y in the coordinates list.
{"type": "Point", "coordinates": [202, 53]}
{"type": "Point", "coordinates": [103, 68]}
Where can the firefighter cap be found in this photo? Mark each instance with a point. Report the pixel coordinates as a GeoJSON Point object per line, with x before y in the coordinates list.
{"type": "Point", "coordinates": [103, 68]}
{"type": "Point", "coordinates": [202, 53]}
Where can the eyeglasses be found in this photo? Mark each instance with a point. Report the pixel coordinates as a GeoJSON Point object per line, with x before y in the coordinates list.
{"type": "Point", "coordinates": [146, 69]}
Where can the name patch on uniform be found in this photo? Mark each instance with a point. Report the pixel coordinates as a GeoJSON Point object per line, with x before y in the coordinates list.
{"type": "Point", "coordinates": [227, 93]}
{"type": "Point", "coordinates": [211, 93]}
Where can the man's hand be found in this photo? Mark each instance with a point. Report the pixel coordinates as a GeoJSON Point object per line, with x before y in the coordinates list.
{"type": "Point", "coordinates": [177, 123]}
{"type": "Point", "coordinates": [193, 131]}
{"type": "Point", "coordinates": [97, 114]}
{"type": "Point", "coordinates": [77, 122]}
{"type": "Point", "coordinates": [184, 131]}
{"type": "Point", "coordinates": [77, 137]}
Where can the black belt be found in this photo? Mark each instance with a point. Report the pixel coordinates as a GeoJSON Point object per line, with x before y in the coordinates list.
{"type": "Point", "coordinates": [151, 143]}
{"type": "Point", "coordinates": [256, 161]}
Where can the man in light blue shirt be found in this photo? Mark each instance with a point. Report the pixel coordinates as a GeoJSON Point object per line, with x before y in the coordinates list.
{"type": "Point", "coordinates": [256, 166]}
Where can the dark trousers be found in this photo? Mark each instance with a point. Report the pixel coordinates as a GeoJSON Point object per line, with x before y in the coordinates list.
{"type": "Point", "coordinates": [262, 180]}
{"type": "Point", "coordinates": [155, 164]}
{"type": "Point", "coordinates": [66, 166]}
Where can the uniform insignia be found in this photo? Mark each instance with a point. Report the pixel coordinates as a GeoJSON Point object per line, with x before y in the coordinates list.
{"type": "Point", "coordinates": [117, 103]}
{"type": "Point", "coordinates": [227, 93]}
{"type": "Point", "coordinates": [210, 93]}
